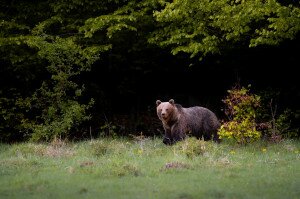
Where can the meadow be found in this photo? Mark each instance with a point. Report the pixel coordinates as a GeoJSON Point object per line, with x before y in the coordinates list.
{"type": "Point", "coordinates": [146, 168]}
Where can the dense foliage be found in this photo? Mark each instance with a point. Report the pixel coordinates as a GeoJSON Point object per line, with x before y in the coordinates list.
{"type": "Point", "coordinates": [48, 46]}
{"type": "Point", "coordinates": [202, 27]}
{"type": "Point", "coordinates": [240, 107]}
{"type": "Point", "coordinates": [250, 117]}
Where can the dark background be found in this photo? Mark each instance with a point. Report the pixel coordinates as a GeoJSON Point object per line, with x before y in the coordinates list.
{"type": "Point", "coordinates": [126, 85]}
{"type": "Point", "coordinates": [133, 74]}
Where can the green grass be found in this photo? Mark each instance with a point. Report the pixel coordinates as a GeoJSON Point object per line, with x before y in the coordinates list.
{"type": "Point", "coordinates": [123, 168]}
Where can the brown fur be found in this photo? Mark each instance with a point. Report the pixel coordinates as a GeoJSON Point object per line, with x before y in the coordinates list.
{"type": "Point", "coordinates": [179, 121]}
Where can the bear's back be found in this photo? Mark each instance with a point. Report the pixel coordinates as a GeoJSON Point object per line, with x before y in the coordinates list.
{"type": "Point", "coordinates": [200, 119]}
{"type": "Point", "coordinates": [196, 113]}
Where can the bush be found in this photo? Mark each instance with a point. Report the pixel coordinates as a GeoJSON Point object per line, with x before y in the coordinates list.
{"type": "Point", "coordinates": [57, 122]}
{"type": "Point", "coordinates": [240, 108]}
{"type": "Point", "coordinates": [53, 108]}
{"type": "Point", "coordinates": [276, 121]}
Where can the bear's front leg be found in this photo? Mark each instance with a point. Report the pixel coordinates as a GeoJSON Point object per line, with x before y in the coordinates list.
{"type": "Point", "coordinates": [177, 133]}
{"type": "Point", "coordinates": [168, 140]}
{"type": "Point", "coordinates": [178, 136]}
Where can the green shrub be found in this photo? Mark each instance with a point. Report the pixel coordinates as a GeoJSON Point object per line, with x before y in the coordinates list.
{"type": "Point", "coordinates": [10, 120]}
{"type": "Point", "coordinates": [276, 121]}
{"type": "Point", "coordinates": [51, 106]}
{"type": "Point", "coordinates": [54, 109]}
{"type": "Point", "coordinates": [243, 131]}
{"type": "Point", "coordinates": [57, 121]}
{"type": "Point", "coordinates": [283, 124]}
{"type": "Point", "coordinates": [240, 107]}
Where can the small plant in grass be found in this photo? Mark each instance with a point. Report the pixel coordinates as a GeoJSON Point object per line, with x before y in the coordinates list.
{"type": "Point", "coordinates": [99, 147]}
{"type": "Point", "coordinates": [121, 169]}
{"type": "Point", "coordinates": [240, 108]}
{"type": "Point", "coordinates": [108, 129]}
{"type": "Point", "coordinates": [175, 165]}
{"type": "Point", "coordinates": [192, 147]}
{"type": "Point", "coordinates": [106, 146]}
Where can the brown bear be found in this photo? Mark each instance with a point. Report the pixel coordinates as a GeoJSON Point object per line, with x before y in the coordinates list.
{"type": "Point", "coordinates": [179, 122]}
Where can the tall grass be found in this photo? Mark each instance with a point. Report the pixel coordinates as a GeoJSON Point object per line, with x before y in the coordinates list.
{"type": "Point", "coordinates": [146, 168]}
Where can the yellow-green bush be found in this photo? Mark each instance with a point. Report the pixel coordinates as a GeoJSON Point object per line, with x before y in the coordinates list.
{"type": "Point", "coordinates": [240, 107]}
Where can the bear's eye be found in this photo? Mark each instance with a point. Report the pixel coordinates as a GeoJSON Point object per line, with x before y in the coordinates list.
{"type": "Point", "coordinates": [167, 109]}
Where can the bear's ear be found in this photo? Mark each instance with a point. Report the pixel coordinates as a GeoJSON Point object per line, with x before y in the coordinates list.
{"type": "Point", "coordinates": [158, 102]}
{"type": "Point", "coordinates": [171, 101]}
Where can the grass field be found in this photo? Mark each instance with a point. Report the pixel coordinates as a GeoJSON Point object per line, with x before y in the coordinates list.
{"type": "Point", "coordinates": [133, 168]}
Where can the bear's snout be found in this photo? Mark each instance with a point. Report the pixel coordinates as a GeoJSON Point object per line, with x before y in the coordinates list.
{"type": "Point", "coordinates": [164, 115]}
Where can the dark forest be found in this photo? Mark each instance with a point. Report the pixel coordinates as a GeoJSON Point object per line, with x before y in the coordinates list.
{"type": "Point", "coordinates": [80, 69]}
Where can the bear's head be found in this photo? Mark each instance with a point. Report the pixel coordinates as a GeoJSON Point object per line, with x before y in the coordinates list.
{"type": "Point", "coordinates": [166, 111]}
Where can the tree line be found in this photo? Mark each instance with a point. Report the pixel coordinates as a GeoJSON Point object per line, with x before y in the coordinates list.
{"type": "Point", "coordinates": [62, 62]}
